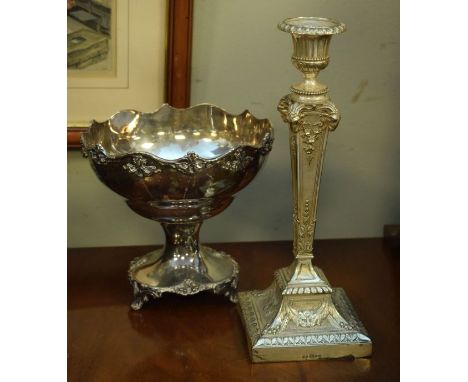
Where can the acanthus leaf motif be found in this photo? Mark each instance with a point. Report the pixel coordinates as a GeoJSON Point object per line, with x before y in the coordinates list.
{"type": "Point", "coordinates": [304, 226]}
{"type": "Point", "coordinates": [236, 161]}
{"type": "Point", "coordinates": [307, 318]}
{"type": "Point", "coordinates": [96, 153]}
{"type": "Point", "coordinates": [267, 144]}
{"type": "Point", "coordinates": [190, 164]}
{"type": "Point", "coordinates": [140, 167]}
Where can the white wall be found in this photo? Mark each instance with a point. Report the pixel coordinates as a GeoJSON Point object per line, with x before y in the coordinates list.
{"type": "Point", "coordinates": [241, 60]}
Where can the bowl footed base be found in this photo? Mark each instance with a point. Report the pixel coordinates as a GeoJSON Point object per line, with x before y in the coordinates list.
{"type": "Point", "coordinates": [159, 272]}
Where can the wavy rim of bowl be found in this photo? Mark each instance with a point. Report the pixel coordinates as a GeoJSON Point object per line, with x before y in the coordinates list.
{"type": "Point", "coordinates": [264, 146]}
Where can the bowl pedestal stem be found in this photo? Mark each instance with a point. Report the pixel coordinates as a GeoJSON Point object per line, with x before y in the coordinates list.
{"type": "Point", "coordinates": [183, 267]}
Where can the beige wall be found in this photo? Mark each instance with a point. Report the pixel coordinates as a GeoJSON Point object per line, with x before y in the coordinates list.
{"type": "Point", "coordinates": [240, 60]}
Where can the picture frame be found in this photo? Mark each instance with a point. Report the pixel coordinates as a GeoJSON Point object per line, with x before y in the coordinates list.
{"type": "Point", "coordinates": [177, 65]}
{"type": "Point", "coordinates": [98, 44]}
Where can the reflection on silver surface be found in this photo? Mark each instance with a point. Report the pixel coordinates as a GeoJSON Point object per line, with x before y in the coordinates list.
{"type": "Point", "coordinates": [207, 148]}
{"type": "Point", "coordinates": [179, 167]}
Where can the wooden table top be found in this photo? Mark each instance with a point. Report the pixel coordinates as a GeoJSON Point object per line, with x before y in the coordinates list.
{"type": "Point", "coordinates": [201, 338]}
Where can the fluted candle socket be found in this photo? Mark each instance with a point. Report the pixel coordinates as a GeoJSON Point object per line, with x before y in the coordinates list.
{"type": "Point", "coordinates": [311, 39]}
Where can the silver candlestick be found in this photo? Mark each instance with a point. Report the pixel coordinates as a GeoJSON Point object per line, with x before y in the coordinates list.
{"type": "Point", "coordinates": [300, 316]}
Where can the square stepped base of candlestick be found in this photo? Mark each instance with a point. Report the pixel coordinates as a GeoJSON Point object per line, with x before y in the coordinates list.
{"type": "Point", "coordinates": [297, 340]}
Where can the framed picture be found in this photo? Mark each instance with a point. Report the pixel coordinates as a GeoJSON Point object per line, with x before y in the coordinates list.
{"type": "Point", "coordinates": [125, 54]}
{"type": "Point", "coordinates": [97, 50]}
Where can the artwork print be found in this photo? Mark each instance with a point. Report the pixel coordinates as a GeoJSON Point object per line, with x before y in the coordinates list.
{"type": "Point", "coordinates": [91, 35]}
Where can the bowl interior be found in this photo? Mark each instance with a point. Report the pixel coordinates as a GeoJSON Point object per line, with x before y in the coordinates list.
{"type": "Point", "coordinates": [171, 133]}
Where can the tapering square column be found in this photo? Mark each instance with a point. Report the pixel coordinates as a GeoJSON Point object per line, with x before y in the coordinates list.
{"type": "Point", "coordinates": [300, 316]}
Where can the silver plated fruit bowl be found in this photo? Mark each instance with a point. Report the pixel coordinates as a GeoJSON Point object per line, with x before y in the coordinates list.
{"type": "Point", "coordinates": [179, 167]}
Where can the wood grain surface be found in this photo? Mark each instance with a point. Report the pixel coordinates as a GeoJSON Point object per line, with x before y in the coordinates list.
{"type": "Point", "coordinates": [201, 338]}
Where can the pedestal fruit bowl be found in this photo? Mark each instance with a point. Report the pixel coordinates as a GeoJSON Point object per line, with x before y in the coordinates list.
{"type": "Point", "coordinates": [179, 167]}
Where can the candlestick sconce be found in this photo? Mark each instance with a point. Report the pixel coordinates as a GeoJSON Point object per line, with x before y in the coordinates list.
{"type": "Point", "coordinates": [300, 316]}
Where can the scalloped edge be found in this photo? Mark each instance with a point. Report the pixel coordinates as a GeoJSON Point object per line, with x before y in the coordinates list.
{"type": "Point", "coordinates": [265, 144]}
{"type": "Point", "coordinates": [188, 157]}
